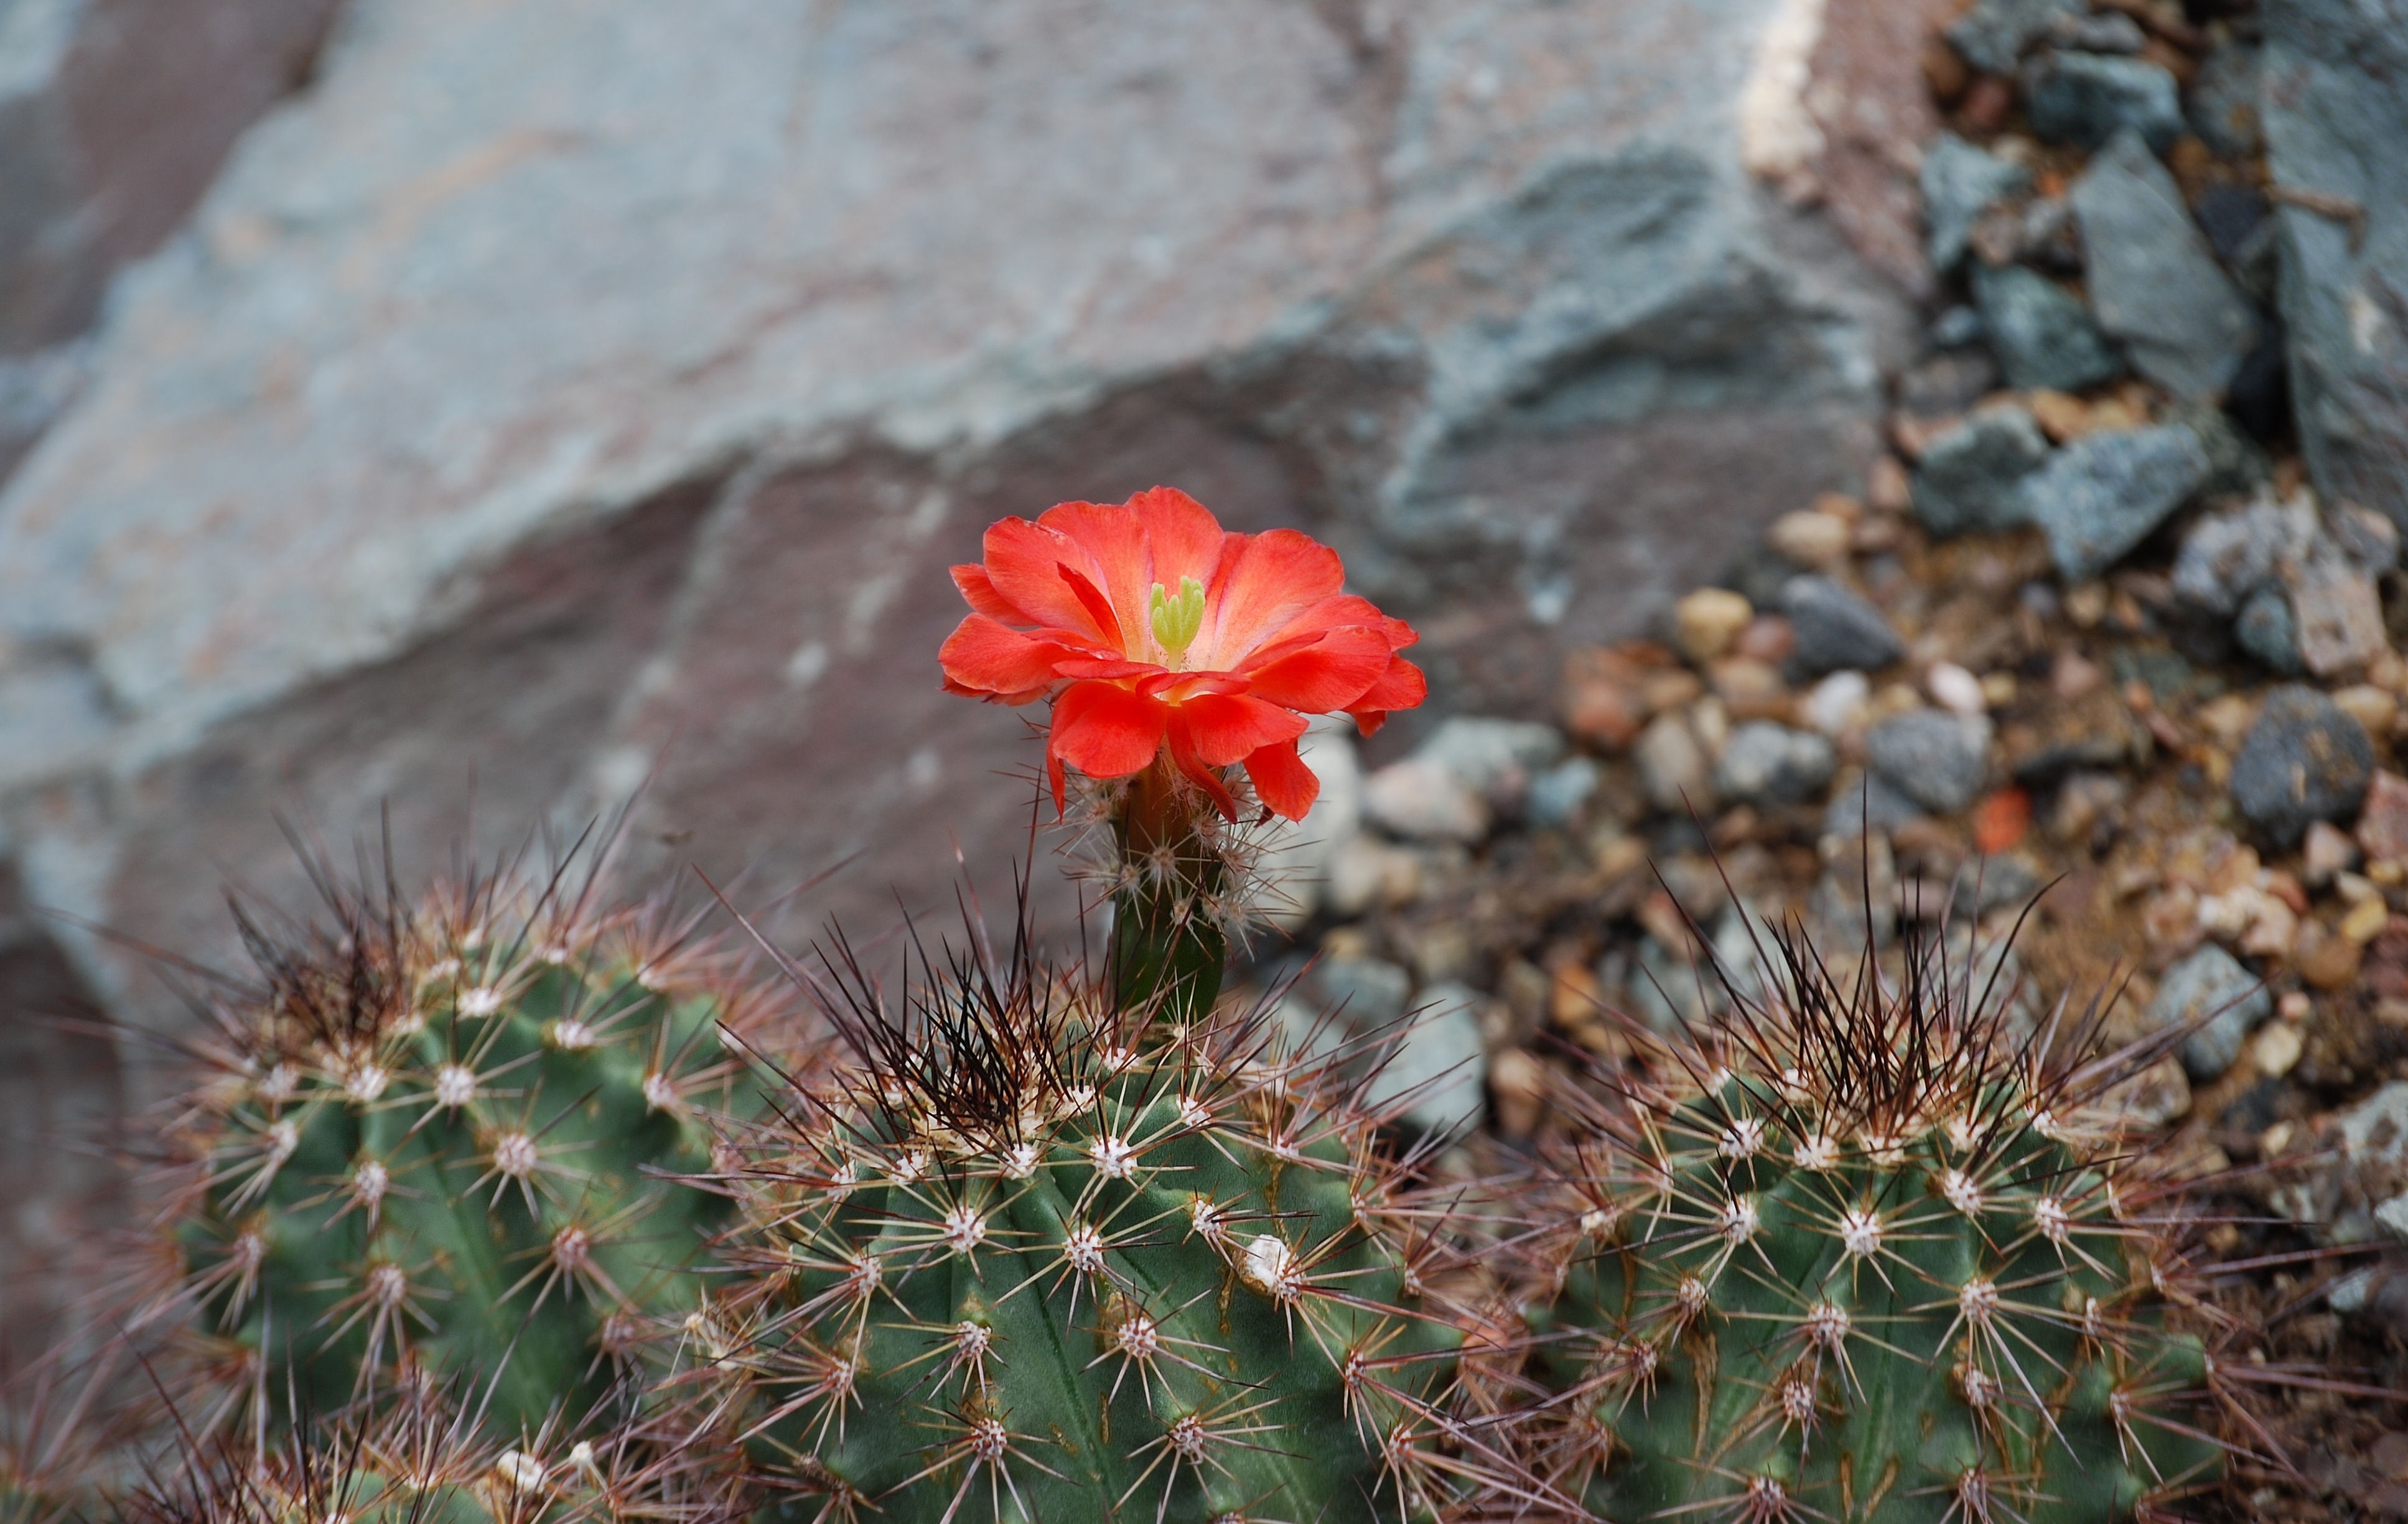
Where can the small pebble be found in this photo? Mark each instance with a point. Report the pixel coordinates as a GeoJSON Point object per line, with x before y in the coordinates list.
{"type": "Point", "coordinates": [1674, 768]}
{"type": "Point", "coordinates": [2383, 819]}
{"type": "Point", "coordinates": [1939, 761]}
{"type": "Point", "coordinates": [1421, 800]}
{"type": "Point", "coordinates": [2277, 1049]}
{"type": "Point", "coordinates": [1818, 541]}
{"type": "Point", "coordinates": [1705, 622]}
{"type": "Point", "coordinates": [1838, 703]}
{"type": "Point", "coordinates": [1767, 638]}
{"type": "Point", "coordinates": [1955, 689]}
{"type": "Point", "coordinates": [1836, 629]}
{"type": "Point", "coordinates": [1767, 763]}
{"type": "Point", "coordinates": [2305, 760]}
{"type": "Point", "coordinates": [2366, 920]}
{"type": "Point", "coordinates": [2211, 988]}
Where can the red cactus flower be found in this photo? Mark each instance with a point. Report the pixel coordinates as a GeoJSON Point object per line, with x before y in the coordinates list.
{"type": "Point", "coordinates": [1157, 632]}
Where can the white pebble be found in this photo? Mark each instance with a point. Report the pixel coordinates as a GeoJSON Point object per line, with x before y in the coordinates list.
{"type": "Point", "coordinates": [1954, 687]}
{"type": "Point", "coordinates": [1838, 702]}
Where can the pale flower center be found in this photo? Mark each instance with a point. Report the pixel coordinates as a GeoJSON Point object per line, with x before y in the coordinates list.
{"type": "Point", "coordinates": [1177, 618]}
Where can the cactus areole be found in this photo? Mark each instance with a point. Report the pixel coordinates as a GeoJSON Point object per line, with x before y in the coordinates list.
{"type": "Point", "coordinates": [1180, 657]}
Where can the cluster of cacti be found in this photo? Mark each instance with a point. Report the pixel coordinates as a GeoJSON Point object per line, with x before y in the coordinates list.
{"type": "Point", "coordinates": [1074, 1260]}
{"type": "Point", "coordinates": [446, 1140]}
{"type": "Point", "coordinates": [1038, 1246]}
{"type": "Point", "coordinates": [1857, 1259]}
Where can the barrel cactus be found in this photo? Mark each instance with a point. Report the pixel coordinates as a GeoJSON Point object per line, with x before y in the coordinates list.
{"type": "Point", "coordinates": [439, 1140]}
{"type": "Point", "coordinates": [1047, 1258]}
{"type": "Point", "coordinates": [1864, 1257]}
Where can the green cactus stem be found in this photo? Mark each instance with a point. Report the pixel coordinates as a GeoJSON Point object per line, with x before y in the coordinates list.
{"type": "Point", "coordinates": [438, 1145]}
{"type": "Point", "coordinates": [1169, 945]}
{"type": "Point", "coordinates": [1046, 1260]}
{"type": "Point", "coordinates": [1862, 1258]}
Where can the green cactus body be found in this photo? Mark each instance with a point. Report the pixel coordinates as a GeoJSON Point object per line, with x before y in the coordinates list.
{"type": "Point", "coordinates": [440, 1149]}
{"type": "Point", "coordinates": [1045, 1266]}
{"type": "Point", "coordinates": [1871, 1275]}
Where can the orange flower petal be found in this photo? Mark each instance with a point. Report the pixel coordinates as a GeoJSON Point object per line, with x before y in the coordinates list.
{"type": "Point", "coordinates": [1219, 729]}
{"type": "Point", "coordinates": [1104, 731]}
{"type": "Point", "coordinates": [986, 658]}
{"type": "Point", "coordinates": [1181, 536]}
{"type": "Point", "coordinates": [1334, 672]}
{"type": "Point", "coordinates": [1403, 685]}
{"type": "Point", "coordinates": [978, 590]}
{"type": "Point", "coordinates": [1265, 581]}
{"type": "Point", "coordinates": [1285, 786]}
{"type": "Point", "coordinates": [1024, 565]}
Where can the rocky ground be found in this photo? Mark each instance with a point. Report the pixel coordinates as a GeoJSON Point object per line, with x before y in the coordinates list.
{"type": "Point", "coordinates": [2087, 644]}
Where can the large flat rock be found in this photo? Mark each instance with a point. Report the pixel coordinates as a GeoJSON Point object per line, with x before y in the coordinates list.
{"type": "Point", "coordinates": [566, 391]}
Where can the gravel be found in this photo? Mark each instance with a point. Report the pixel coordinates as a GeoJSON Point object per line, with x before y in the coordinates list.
{"type": "Point", "coordinates": [1439, 1062]}
{"type": "Point", "coordinates": [2102, 494]}
{"type": "Point", "coordinates": [2266, 630]}
{"type": "Point", "coordinates": [1937, 759]}
{"type": "Point", "coordinates": [1770, 763]}
{"type": "Point", "coordinates": [2154, 282]}
{"type": "Point", "coordinates": [2045, 336]}
{"type": "Point", "coordinates": [1959, 182]}
{"type": "Point", "coordinates": [2084, 99]}
{"type": "Point", "coordinates": [1836, 629]}
{"type": "Point", "coordinates": [1968, 479]}
{"type": "Point", "coordinates": [1993, 35]}
{"type": "Point", "coordinates": [2304, 759]}
{"type": "Point", "coordinates": [2210, 986]}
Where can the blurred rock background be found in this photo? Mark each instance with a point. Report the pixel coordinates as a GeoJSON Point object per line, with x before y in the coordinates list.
{"type": "Point", "coordinates": [477, 407]}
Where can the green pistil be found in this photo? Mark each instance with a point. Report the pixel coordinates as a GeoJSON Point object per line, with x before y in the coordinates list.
{"type": "Point", "coordinates": [1178, 619]}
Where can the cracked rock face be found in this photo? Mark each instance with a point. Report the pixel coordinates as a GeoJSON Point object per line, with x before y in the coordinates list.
{"type": "Point", "coordinates": [621, 417]}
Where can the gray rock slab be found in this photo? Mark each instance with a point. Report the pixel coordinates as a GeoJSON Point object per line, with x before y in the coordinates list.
{"type": "Point", "coordinates": [1836, 629]}
{"type": "Point", "coordinates": [2305, 759]}
{"type": "Point", "coordinates": [1939, 761]}
{"type": "Point", "coordinates": [2336, 124]}
{"type": "Point", "coordinates": [2103, 493]}
{"type": "Point", "coordinates": [113, 119]}
{"type": "Point", "coordinates": [1970, 477]}
{"type": "Point", "coordinates": [562, 393]}
{"type": "Point", "coordinates": [1367, 992]}
{"type": "Point", "coordinates": [2043, 335]}
{"type": "Point", "coordinates": [1959, 180]}
{"type": "Point", "coordinates": [2084, 99]}
{"type": "Point", "coordinates": [2153, 283]}
{"type": "Point", "coordinates": [2210, 986]}
{"type": "Point", "coordinates": [1559, 795]}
